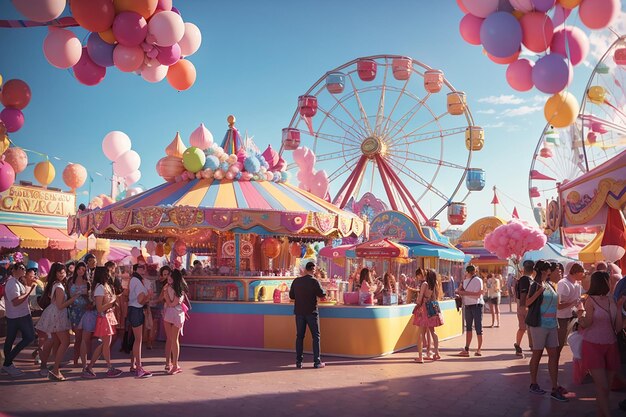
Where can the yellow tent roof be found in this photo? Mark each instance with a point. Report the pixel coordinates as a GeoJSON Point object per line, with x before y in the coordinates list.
{"type": "Point", "coordinates": [592, 252]}
{"type": "Point", "coordinates": [29, 237]}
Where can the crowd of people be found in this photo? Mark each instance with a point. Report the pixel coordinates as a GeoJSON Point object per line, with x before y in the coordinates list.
{"type": "Point", "coordinates": [93, 303]}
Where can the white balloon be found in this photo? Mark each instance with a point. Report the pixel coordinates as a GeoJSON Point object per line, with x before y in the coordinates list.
{"type": "Point", "coordinates": [191, 40]}
{"type": "Point", "coordinates": [132, 178]}
{"type": "Point", "coordinates": [115, 144]}
{"type": "Point", "coordinates": [126, 163]}
{"type": "Point", "coordinates": [154, 73]}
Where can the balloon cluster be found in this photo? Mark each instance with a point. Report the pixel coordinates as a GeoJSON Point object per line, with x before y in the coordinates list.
{"type": "Point", "coordinates": [116, 146]}
{"type": "Point", "coordinates": [514, 239]}
{"type": "Point", "coordinates": [12, 161]}
{"type": "Point", "coordinates": [205, 159]}
{"type": "Point", "coordinates": [315, 182]}
{"type": "Point", "coordinates": [148, 37]}
{"type": "Point", "coordinates": [15, 96]}
{"type": "Point", "coordinates": [502, 27]}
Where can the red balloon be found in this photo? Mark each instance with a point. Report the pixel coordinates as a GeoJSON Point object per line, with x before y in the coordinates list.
{"type": "Point", "coordinates": [16, 94]}
{"type": "Point", "coordinates": [13, 119]}
{"type": "Point", "coordinates": [88, 72]}
{"type": "Point", "coordinates": [93, 15]}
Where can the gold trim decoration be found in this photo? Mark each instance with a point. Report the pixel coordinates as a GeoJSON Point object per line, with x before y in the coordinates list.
{"type": "Point", "coordinates": [581, 209]}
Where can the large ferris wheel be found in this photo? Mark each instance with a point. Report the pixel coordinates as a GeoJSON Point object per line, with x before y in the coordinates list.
{"type": "Point", "coordinates": [390, 125]}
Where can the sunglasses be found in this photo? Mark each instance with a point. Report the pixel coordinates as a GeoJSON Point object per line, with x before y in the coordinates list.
{"type": "Point", "coordinates": [23, 268]}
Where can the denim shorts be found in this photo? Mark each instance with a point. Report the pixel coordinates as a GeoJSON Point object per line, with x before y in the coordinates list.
{"type": "Point", "coordinates": [135, 316]}
{"type": "Point", "coordinates": [474, 315]}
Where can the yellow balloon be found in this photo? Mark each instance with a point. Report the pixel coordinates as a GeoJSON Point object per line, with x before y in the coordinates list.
{"type": "Point", "coordinates": [4, 144]}
{"type": "Point", "coordinates": [596, 94]}
{"type": "Point", "coordinates": [167, 248]}
{"type": "Point", "coordinates": [569, 4]}
{"type": "Point", "coordinates": [561, 109]}
{"type": "Point", "coordinates": [45, 172]}
{"type": "Point", "coordinates": [0, 79]}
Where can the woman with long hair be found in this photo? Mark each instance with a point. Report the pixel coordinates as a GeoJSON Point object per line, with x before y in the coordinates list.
{"type": "Point", "coordinates": [174, 318]}
{"type": "Point", "coordinates": [429, 291]}
{"type": "Point", "coordinates": [494, 289]}
{"type": "Point", "coordinates": [80, 285]}
{"type": "Point", "coordinates": [54, 320]}
{"type": "Point", "coordinates": [138, 297]}
{"type": "Point", "coordinates": [601, 319]}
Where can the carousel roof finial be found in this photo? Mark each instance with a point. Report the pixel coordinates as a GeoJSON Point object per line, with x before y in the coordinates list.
{"type": "Point", "coordinates": [231, 120]}
{"type": "Point", "coordinates": [232, 141]}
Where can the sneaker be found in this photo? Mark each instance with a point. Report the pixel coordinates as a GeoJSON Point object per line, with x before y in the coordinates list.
{"type": "Point", "coordinates": [518, 349]}
{"type": "Point", "coordinates": [299, 365]}
{"type": "Point", "coordinates": [13, 371]}
{"type": "Point", "coordinates": [133, 371]}
{"type": "Point", "coordinates": [562, 390]}
{"type": "Point", "coordinates": [142, 373]}
{"type": "Point", "coordinates": [556, 395]}
{"type": "Point", "coordinates": [464, 353]}
{"type": "Point", "coordinates": [319, 365]}
{"type": "Point", "coordinates": [88, 374]}
{"type": "Point", "coordinates": [113, 373]}
{"type": "Point", "coordinates": [536, 389]}
{"type": "Point", "coordinates": [37, 360]}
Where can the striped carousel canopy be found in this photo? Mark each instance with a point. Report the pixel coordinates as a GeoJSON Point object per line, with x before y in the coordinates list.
{"type": "Point", "coordinates": [188, 209]}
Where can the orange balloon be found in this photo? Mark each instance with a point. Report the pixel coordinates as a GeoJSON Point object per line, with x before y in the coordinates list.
{"type": "Point", "coordinates": [93, 15]}
{"type": "Point", "coordinates": [145, 8]}
{"type": "Point", "coordinates": [181, 75]}
{"type": "Point", "coordinates": [74, 176]}
{"type": "Point", "coordinates": [108, 36]}
{"type": "Point", "coordinates": [16, 94]}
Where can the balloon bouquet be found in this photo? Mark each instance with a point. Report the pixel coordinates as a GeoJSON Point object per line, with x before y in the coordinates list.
{"type": "Point", "coordinates": [116, 146]}
{"type": "Point", "coordinates": [147, 37]}
{"type": "Point", "coordinates": [502, 27]}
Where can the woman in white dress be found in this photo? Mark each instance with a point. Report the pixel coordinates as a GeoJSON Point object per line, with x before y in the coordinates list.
{"type": "Point", "coordinates": [174, 318]}
{"type": "Point", "coordinates": [54, 320]}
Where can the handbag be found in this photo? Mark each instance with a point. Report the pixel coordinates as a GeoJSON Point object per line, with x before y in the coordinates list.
{"type": "Point", "coordinates": [43, 301]}
{"type": "Point", "coordinates": [533, 317]}
{"type": "Point", "coordinates": [458, 301]}
{"type": "Point", "coordinates": [432, 308]}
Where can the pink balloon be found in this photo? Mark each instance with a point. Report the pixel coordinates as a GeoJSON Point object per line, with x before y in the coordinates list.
{"type": "Point", "coordinates": [7, 176]}
{"type": "Point", "coordinates": [560, 14]}
{"type": "Point", "coordinates": [551, 73]}
{"type": "Point", "coordinates": [522, 5]}
{"type": "Point", "coordinates": [191, 40]}
{"type": "Point", "coordinates": [537, 31]}
{"type": "Point", "coordinates": [519, 75]}
{"type": "Point", "coordinates": [132, 178]}
{"type": "Point", "coordinates": [166, 28]}
{"type": "Point", "coordinates": [154, 73]}
{"type": "Point", "coordinates": [13, 119]}
{"type": "Point", "coordinates": [543, 5]}
{"type": "Point", "coordinates": [44, 266]}
{"type": "Point", "coordinates": [470, 29]}
{"type": "Point", "coordinates": [462, 6]}
{"type": "Point", "coordinates": [506, 60]}
{"type": "Point", "coordinates": [17, 158]}
{"type": "Point", "coordinates": [130, 28]}
{"type": "Point", "coordinates": [62, 48]}
{"type": "Point", "coordinates": [573, 40]}
{"type": "Point", "coordinates": [88, 72]}
{"type": "Point", "coordinates": [40, 10]}
{"type": "Point", "coordinates": [164, 5]}
{"type": "Point", "coordinates": [598, 14]}
{"type": "Point", "coordinates": [168, 55]}
{"type": "Point", "coordinates": [128, 58]}
{"type": "Point", "coordinates": [126, 163]}
{"type": "Point", "coordinates": [115, 144]}
{"type": "Point", "coordinates": [481, 8]}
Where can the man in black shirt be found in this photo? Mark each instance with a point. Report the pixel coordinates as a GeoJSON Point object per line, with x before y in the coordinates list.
{"type": "Point", "coordinates": [305, 290]}
{"type": "Point", "coordinates": [521, 291]}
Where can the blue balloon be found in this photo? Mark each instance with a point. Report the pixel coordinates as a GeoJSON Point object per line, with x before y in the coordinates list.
{"type": "Point", "coordinates": [212, 162]}
{"type": "Point", "coordinates": [252, 164]}
{"type": "Point", "coordinates": [99, 51]}
{"type": "Point", "coordinates": [501, 34]}
{"type": "Point", "coordinates": [224, 166]}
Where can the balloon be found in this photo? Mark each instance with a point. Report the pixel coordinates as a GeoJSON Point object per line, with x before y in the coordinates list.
{"type": "Point", "coordinates": [93, 15]}
{"type": "Point", "coordinates": [45, 173]}
{"type": "Point", "coordinates": [561, 109]}
{"type": "Point", "coordinates": [501, 34]}
{"type": "Point", "coordinates": [4, 141]}
{"type": "Point", "coordinates": [519, 75]}
{"type": "Point", "coordinates": [7, 176]}
{"type": "Point", "coordinates": [88, 72]}
{"type": "Point", "coordinates": [569, 4]}
{"type": "Point", "coordinates": [522, 5]}
{"type": "Point", "coordinates": [551, 73]}
{"type": "Point", "coordinates": [154, 73]}
{"type": "Point", "coordinates": [164, 5]}
{"type": "Point", "coordinates": [128, 58]}
{"type": "Point", "coordinates": [74, 176]}
{"type": "Point", "coordinates": [598, 14]}
{"type": "Point", "coordinates": [462, 6]}
{"type": "Point", "coordinates": [13, 119]}
{"type": "Point", "coordinates": [537, 31]}
{"type": "Point", "coordinates": [181, 75]}
{"type": "Point", "coordinates": [193, 159]}
{"type": "Point", "coordinates": [108, 36]}
{"type": "Point", "coordinates": [211, 162]}
{"type": "Point", "coordinates": [543, 5]}
{"type": "Point", "coordinates": [270, 247]}
{"type": "Point", "coordinates": [130, 28]}
{"type": "Point", "coordinates": [16, 157]}
{"type": "Point", "coordinates": [505, 61]}
{"type": "Point", "coordinates": [180, 247]}
{"type": "Point", "coordinates": [151, 247]}
{"type": "Point", "coordinates": [145, 8]}
{"type": "Point", "coordinates": [481, 8]}
{"type": "Point", "coordinates": [191, 40]}
{"type": "Point", "coordinates": [470, 29]}
{"type": "Point", "coordinates": [170, 167]}
{"type": "Point", "coordinates": [44, 266]}
{"type": "Point", "coordinates": [559, 16]}
{"type": "Point", "coordinates": [132, 178]}
{"type": "Point", "coordinates": [168, 55]}
{"type": "Point", "coordinates": [100, 52]}
{"type": "Point", "coordinates": [40, 10]}
{"type": "Point", "coordinates": [570, 42]}
{"type": "Point", "coordinates": [158, 251]}
{"type": "Point", "coordinates": [166, 28]}
{"type": "Point", "coordinates": [16, 94]}
{"type": "Point", "coordinates": [133, 191]}
{"type": "Point", "coordinates": [127, 163]}
{"type": "Point", "coordinates": [61, 48]}
{"type": "Point", "coordinates": [201, 138]}
{"type": "Point", "coordinates": [115, 144]}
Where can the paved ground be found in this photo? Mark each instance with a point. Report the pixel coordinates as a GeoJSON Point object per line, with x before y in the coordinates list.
{"type": "Point", "coordinates": [220, 382]}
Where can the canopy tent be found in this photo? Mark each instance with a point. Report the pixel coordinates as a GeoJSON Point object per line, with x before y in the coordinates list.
{"type": "Point", "coordinates": [592, 253]}
{"type": "Point", "coordinates": [426, 250]}
{"type": "Point", "coordinates": [381, 248]}
{"type": "Point", "coordinates": [551, 251]}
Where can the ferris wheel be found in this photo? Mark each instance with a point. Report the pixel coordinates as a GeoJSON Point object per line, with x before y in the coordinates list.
{"type": "Point", "coordinates": [392, 126]}
{"type": "Point", "coordinates": [598, 135]}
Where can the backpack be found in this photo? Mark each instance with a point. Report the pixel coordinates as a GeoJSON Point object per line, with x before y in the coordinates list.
{"type": "Point", "coordinates": [43, 300]}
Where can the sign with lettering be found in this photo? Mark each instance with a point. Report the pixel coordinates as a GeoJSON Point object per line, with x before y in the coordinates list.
{"type": "Point", "coordinates": [21, 199]}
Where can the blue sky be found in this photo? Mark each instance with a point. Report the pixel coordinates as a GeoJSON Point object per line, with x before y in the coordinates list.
{"type": "Point", "coordinates": [256, 58]}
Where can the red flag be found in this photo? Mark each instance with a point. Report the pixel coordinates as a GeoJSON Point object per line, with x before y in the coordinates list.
{"type": "Point", "coordinates": [515, 215]}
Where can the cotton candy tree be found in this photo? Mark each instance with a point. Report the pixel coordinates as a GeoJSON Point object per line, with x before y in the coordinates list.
{"type": "Point", "coordinates": [514, 239]}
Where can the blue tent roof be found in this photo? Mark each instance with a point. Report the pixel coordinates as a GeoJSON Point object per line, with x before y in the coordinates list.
{"type": "Point", "coordinates": [550, 252]}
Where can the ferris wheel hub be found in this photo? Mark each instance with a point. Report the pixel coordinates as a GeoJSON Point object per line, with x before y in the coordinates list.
{"type": "Point", "coordinates": [373, 146]}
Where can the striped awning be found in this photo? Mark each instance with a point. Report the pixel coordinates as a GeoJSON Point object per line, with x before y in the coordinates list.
{"type": "Point", "coordinates": [57, 239]}
{"type": "Point", "coordinates": [29, 237]}
{"type": "Point", "coordinates": [8, 238]}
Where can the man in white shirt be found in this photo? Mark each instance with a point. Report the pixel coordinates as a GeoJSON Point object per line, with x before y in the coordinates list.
{"type": "Point", "coordinates": [18, 318]}
{"type": "Point", "coordinates": [472, 291]}
{"type": "Point", "coordinates": [569, 291]}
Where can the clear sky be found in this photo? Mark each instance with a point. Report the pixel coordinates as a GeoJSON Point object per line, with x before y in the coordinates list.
{"type": "Point", "coordinates": [256, 58]}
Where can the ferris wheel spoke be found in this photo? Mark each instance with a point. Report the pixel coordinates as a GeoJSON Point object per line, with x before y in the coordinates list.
{"type": "Point", "coordinates": [416, 177]}
{"type": "Point", "coordinates": [395, 139]}
{"type": "Point", "coordinates": [406, 117]}
{"type": "Point", "coordinates": [340, 140]}
{"type": "Point", "coordinates": [380, 113]}
{"type": "Point", "coordinates": [342, 169]}
{"type": "Point", "coordinates": [416, 157]}
{"type": "Point", "coordinates": [427, 136]}
{"type": "Point", "coordinates": [362, 130]}
{"type": "Point", "coordinates": [395, 105]}
{"type": "Point", "coordinates": [343, 126]}
{"type": "Point", "coordinates": [336, 154]}
{"type": "Point", "coordinates": [365, 123]}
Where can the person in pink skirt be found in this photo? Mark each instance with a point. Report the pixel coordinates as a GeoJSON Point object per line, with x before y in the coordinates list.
{"type": "Point", "coordinates": [429, 291]}
{"type": "Point", "coordinates": [104, 296]}
{"type": "Point", "coordinates": [174, 318]}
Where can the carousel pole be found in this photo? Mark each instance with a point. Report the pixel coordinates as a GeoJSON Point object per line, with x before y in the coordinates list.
{"type": "Point", "coordinates": [237, 253]}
